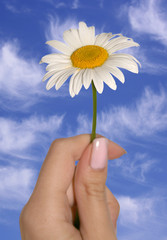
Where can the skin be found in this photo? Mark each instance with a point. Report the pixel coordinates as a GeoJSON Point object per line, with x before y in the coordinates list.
{"type": "Point", "coordinates": [49, 213]}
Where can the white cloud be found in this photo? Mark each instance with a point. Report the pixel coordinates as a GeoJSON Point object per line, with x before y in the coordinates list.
{"type": "Point", "coordinates": [101, 3]}
{"type": "Point", "coordinates": [58, 5]}
{"type": "Point", "coordinates": [18, 141]}
{"type": "Point", "coordinates": [11, 8]}
{"type": "Point", "coordinates": [144, 118]}
{"type": "Point", "coordinates": [134, 211]}
{"type": "Point", "coordinates": [17, 137]}
{"type": "Point", "coordinates": [151, 66]}
{"type": "Point", "coordinates": [57, 27]}
{"type": "Point", "coordinates": [148, 16]}
{"type": "Point", "coordinates": [135, 170]}
{"type": "Point", "coordinates": [75, 4]}
{"type": "Point", "coordinates": [142, 217]}
{"type": "Point", "coordinates": [72, 4]}
{"type": "Point", "coordinates": [21, 79]}
{"type": "Point", "coordinates": [15, 186]}
{"type": "Point", "coordinates": [21, 9]}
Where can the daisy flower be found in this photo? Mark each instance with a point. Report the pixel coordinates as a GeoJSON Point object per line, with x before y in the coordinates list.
{"type": "Point", "coordinates": [88, 58]}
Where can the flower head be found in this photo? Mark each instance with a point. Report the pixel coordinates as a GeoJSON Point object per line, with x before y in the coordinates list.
{"type": "Point", "coordinates": [88, 57]}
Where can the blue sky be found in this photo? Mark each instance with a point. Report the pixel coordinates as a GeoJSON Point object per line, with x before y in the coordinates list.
{"type": "Point", "coordinates": [134, 116]}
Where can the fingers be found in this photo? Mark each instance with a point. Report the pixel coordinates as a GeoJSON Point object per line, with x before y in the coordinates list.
{"type": "Point", "coordinates": [91, 195]}
{"type": "Point", "coordinates": [58, 168]}
{"type": "Point", "coordinates": [49, 205]}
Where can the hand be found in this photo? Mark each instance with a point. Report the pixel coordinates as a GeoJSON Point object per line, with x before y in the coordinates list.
{"type": "Point", "coordinates": [50, 211]}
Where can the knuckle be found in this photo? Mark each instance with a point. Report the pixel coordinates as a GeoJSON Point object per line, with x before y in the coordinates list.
{"type": "Point", "coordinates": [58, 144]}
{"type": "Point", "coordinates": [95, 190]}
{"type": "Point", "coordinates": [25, 217]}
{"type": "Point", "coordinates": [29, 215]}
{"type": "Point", "coordinates": [114, 204]}
{"type": "Point", "coordinates": [32, 218]}
{"type": "Point", "coordinates": [29, 224]}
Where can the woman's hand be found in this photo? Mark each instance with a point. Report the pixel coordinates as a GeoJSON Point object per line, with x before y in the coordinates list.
{"type": "Point", "coordinates": [50, 211]}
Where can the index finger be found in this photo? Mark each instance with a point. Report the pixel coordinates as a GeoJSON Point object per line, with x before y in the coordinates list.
{"type": "Point", "coordinates": [59, 165]}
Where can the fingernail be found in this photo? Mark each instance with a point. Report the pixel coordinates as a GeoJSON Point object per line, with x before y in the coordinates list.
{"type": "Point", "coordinates": [99, 156]}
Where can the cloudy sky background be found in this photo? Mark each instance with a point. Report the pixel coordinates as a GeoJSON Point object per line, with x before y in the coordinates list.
{"type": "Point", "coordinates": [134, 116]}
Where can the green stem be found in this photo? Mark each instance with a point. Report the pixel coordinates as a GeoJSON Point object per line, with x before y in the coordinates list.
{"type": "Point", "coordinates": [93, 135]}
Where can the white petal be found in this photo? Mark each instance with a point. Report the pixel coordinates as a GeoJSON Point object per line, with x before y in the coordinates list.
{"type": "Point", "coordinates": [62, 60]}
{"type": "Point", "coordinates": [51, 82]}
{"type": "Point", "coordinates": [114, 71]}
{"type": "Point", "coordinates": [106, 77]}
{"type": "Point", "coordinates": [98, 81]}
{"type": "Point", "coordinates": [121, 46]}
{"type": "Point", "coordinates": [48, 75]}
{"type": "Point", "coordinates": [64, 77]}
{"type": "Point", "coordinates": [54, 57]}
{"type": "Point", "coordinates": [72, 38]}
{"type": "Point", "coordinates": [92, 35]}
{"type": "Point", "coordinates": [72, 94]}
{"type": "Point", "coordinates": [53, 79]}
{"type": "Point", "coordinates": [103, 38]}
{"type": "Point", "coordinates": [125, 56]}
{"type": "Point", "coordinates": [58, 66]}
{"type": "Point", "coordinates": [121, 62]}
{"type": "Point", "coordinates": [84, 33]}
{"type": "Point", "coordinates": [87, 78]}
{"type": "Point", "coordinates": [60, 47]}
{"type": "Point", "coordinates": [78, 81]}
{"type": "Point", "coordinates": [116, 40]}
{"type": "Point", "coordinates": [112, 37]}
{"type": "Point", "coordinates": [71, 85]}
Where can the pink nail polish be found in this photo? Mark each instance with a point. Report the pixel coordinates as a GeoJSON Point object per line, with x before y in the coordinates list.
{"type": "Point", "coordinates": [99, 156]}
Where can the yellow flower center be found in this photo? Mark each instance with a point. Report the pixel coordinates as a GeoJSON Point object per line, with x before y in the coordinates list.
{"type": "Point", "coordinates": [89, 56]}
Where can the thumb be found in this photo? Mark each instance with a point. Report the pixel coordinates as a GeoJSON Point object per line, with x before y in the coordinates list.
{"type": "Point", "coordinates": [90, 189]}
